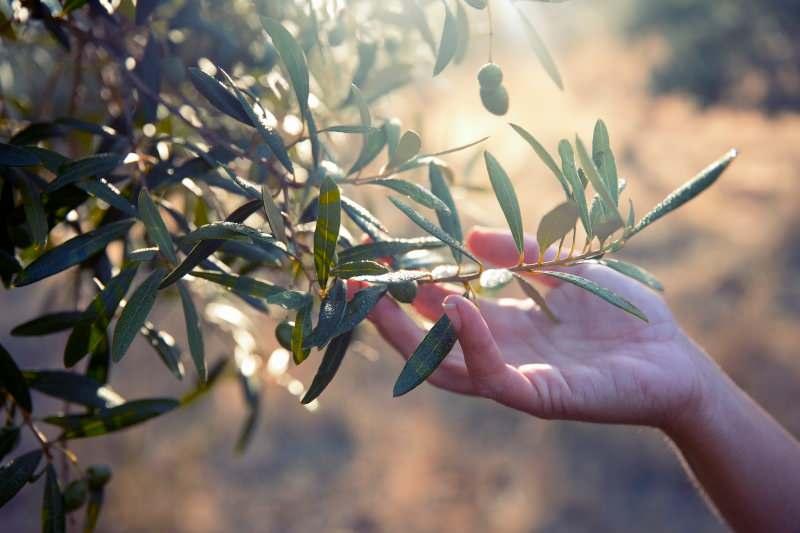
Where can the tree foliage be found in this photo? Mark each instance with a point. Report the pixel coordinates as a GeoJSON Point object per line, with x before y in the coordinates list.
{"type": "Point", "coordinates": [191, 154]}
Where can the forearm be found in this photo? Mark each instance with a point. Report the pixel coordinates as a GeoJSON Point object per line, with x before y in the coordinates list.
{"type": "Point", "coordinates": [748, 465]}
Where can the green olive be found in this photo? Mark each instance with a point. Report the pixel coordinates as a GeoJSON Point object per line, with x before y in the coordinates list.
{"type": "Point", "coordinates": [283, 333]}
{"type": "Point", "coordinates": [477, 4]}
{"type": "Point", "coordinates": [495, 100]}
{"type": "Point", "coordinates": [490, 76]}
{"type": "Point", "coordinates": [98, 475]}
{"type": "Point", "coordinates": [404, 292]}
{"type": "Point", "coordinates": [75, 494]}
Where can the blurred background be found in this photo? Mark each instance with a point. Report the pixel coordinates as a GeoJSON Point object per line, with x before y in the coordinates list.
{"type": "Point", "coordinates": [678, 82]}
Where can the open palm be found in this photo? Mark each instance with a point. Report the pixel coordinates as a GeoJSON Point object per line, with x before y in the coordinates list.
{"type": "Point", "coordinates": [598, 364]}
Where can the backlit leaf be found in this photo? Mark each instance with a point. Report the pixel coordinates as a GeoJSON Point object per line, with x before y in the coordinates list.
{"type": "Point", "coordinates": [534, 294]}
{"type": "Point", "coordinates": [541, 51]}
{"type": "Point", "coordinates": [407, 147]}
{"type": "Point", "coordinates": [632, 271]}
{"type": "Point", "coordinates": [388, 248]}
{"type": "Point", "coordinates": [326, 233]}
{"type": "Point", "coordinates": [73, 388]}
{"type": "Point", "coordinates": [594, 288]}
{"type": "Point", "coordinates": [293, 59]}
{"type": "Point", "coordinates": [359, 307]}
{"type": "Point", "coordinates": [274, 216]}
{"type": "Point", "coordinates": [35, 216]}
{"type": "Point", "coordinates": [164, 345]}
{"type": "Point", "coordinates": [397, 276]}
{"type": "Point", "coordinates": [704, 179]}
{"type": "Point", "coordinates": [302, 327]}
{"type": "Point", "coordinates": [331, 311]}
{"type": "Point", "coordinates": [597, 182]}
{"type": "Point", "coordinates": [194, 332]}
{"type": "Point", "coordinates": [272, 294]}
{"type": "Point", "coordinates": [373, 144]}
{"type": "Point", "coordinates": [156, 229]}
{"type": "Point", "coordinates": [114, 419]}
{"type": "Point", "coordinates": [98, 165]}
{"type": "Point", "coordinates": [545, 156]}
{"type": "Point", "coordinates": [134, 314]}
{"type": "Point", "coordinates": [357, 268]}
{"type": "Point", "coordinates": [604, 159]}
{"type": "Point", "coordinates": [418, 193]}
{"type": "Point", "coordinates": [15, 474]}
{"type": "Point", "coordinates": [449, 42]}
{"type": "Point", "coordinates": [556, 224]}
{"type": "Point", "coordinates": [219, 95]}
{"type": "Point", "coordinates": [448, 221]}
{"type": "Point", "coordinates": [72, 252]}
{"type": "Point", "coordinates": [331, 361]}
{"type": "Point", "coordinates": [578, 193]}
{"type": "Point", "coordinates": [12, 380]}
{"type": "Point", "coordinates": [430, 353]}
{"type": "Point", "coordinates": [232, 231]}
{"type": "Point", "coordinates": [504, 191]}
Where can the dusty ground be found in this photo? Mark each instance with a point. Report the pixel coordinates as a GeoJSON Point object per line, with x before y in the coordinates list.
{"type": "Point", "coordinates": [431, 461]}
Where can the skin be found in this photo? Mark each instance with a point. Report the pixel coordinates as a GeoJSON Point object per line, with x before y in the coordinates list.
{"type": "Point", "coordinates": [602, 365]}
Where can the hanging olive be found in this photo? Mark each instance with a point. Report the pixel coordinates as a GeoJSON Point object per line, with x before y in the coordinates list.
{"type": "Point", "coordinates": [404, 291]}
{"type": "Point", "coordinates": [283, 333]}
{"type": "Point", "coordinates": [98, 475]}
{"type": "Point", "coordinates": [495, 100]}
{"type": "Point", "coordinates": [490, 76]}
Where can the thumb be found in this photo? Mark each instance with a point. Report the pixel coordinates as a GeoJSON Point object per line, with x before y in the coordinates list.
{"type": "Point", "coordinates": [488, 371]}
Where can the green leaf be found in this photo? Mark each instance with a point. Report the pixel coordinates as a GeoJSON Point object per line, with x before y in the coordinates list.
{"type": "Point", "coordinates": [556, 224]}
{"type": "Point", "coordinates": [632, 271]}
{"type": "Point", "coordinates": [388, 248]}
{"type": "Point", "coordinates": [418, 193]}
{"type": "Point", "coordinates": [578, 193]}
{"type": "Point", "coordinates": [504, 191]}
{"type": "Point", "coordinates": [357, 268]}
{"type": "Point", "coordinates": [430, 353]}
{"type": "Point", "coordinates": [431, 228]}
{"type": "Point", "coordinates": [448, 221]}
{"type": "Point", "coordinates": [53, 517]}
{"type": "Point", "coordinates": [205, 248]}
{"type": "Point", "coordinates": [604, 224]}
{"type": "Point", "coordinates": [134, 314]}
{"type": "Point", "coordinates": [604, 159]}
{"type": "Point", "coordinates": [449, 41]}
{"type": "Point", "coordinates": [12, 380]}
{"type": "Point", "coordinates": [597, 182]}
{"type": "Point", "coordinates": [109, 420]}
{"type": "Point", "coordinates": [407, 147]}
{"type": "Point", "coordinates": [251, 388]}
{"type": "Point", "coordinates": [194, 331]}
{"type": "Point", "coordinates": [326, 233]}
{"type": "Point", "coordinates": [17, 156]}
{"type": "Point", "coordinates": [545, 156]}
{"type": "Point", "coordinates": [594, 288]}
{"type": "Point", "coordinates": [541, 51]}
{"type": "Point", "coordinates": [103, 190]}
{"type": "Point", "coordinates": [331, 361]}
{"type": "Point", "coordinates": [9, 439]}
{"type": "Point", "coordinates": [72, 252]}
{"type": "Point", "coordinates": [47, 324]}
{"type": "Point", "coordinates": [302, 325]}
{"type": "Point", "coordinates": [373, 144]}
{"type": "Point", "coordinates": [15, 474]}
{"type": "Point", "coordinates": [274, 216]}
{"type": "Point", "coordinates": [365, 220]}
{"type": "Point", "coordinates": [164, 345]}
{"type": "Point", "coordinates": [272, 294]}
{"type": "Point", "coordinates": [703, 180]}
{"type": "Point", "coordinates": [156, 228]}
{"type": "Point", "coordinates": [331, 312]}
{"type": "Point", "coordinates": [219, 95]}
{"type": "Point", "coordinates": [534, 294]}
{"type": "Point", "coordinates": [268, 134]}
{"type": "Point", "coordinates": [397, 276]}
{"type": "Point", "coordinates": [73, 388]}
{"type": "Point", "coordinates": [232, 231]}
{"type": "Point", "coordinates": [359, 307]}
{"type": "Point", "coordinates": [293, 59]}
{"type": "Point", "coordinates": [35, 216]}
{"type": "Point", "coordinates": [95, 165]}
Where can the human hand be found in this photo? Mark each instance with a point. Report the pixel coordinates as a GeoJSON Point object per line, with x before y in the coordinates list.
{"type": "Point", "coordinates": [598, 364]}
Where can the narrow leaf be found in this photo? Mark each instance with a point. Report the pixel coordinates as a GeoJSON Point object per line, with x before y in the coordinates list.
{"type": "Point", "coordinates": [578, 193]}
{"type": "Point", "coordinates": [448, 221]}
{"type": "Point", "coordinates": [504, 191]}
{"type": "Point", "coordinates": [114, 419]}
{"type": "Point", "coordinates": [632, 271]}
{"type": "Point", "coordinates": [356, 268]}
{"type": "Point", "coordinates": [430, 353]}
{"type": "Point", "coordinates": [597, 182]}
{"type": "Point", "coordinates": [545, 156]}
{"type": "Point", "coordinates": [418, 193]}
{"type": "Point", "coordinates": [407, 147]}
{"type": "Point", "coordinates": [156, 228]}
{"type": "Point", "coordinates": [331, 361]}
{"type": "Point", "coordinates": [73, 388]}
{"type": "Point", "coordinates": [272, 294]}
{"type": "Point", "coordinates": [359, 307]}
{"type": "Point", "coordinates": [389, 248]}
{"type": "Point", "coordinates": [534, 294]}
{"type": "Point", "coordinates": [194, 331]}
{"type": "Point", "coordinates": [449, 41]}
{"type": "Point", "coordinates": [135, 313]}
{"type": "Point", "coordinates": [331, 312]}
{"type": "Point", "coordinates": [594, 288]}
{"type": "Point", "coordinates": [326, 233]}
{"type": "Point", "coordinates": [274, 216]}
{"type": "Point", "coordinates": [373, 144]}
{"type": "Point", "coordinates": [293, 59]}
{"type": "Point", "coordinates": [541, 51]}
{"type": "Point", "coordinates": [17, 156]}
{"type": "Point", "coordinates": [15, 474]}
{"type": "Point", "coordinates": [164, 345]}
{"type": "Point", "coordinates": [556, 224]}
{"type": "Point", "coordinates": [47, 324]}
{"type": "Point", "coordinates": [604, 159]}
{"type": "Point", "coordinates": [53, 516]}
{"type": "Point", "coordinates": [302, 326]}
{"type": "Point", "coordinates": [219, 95]}
{"type": "Point", "coordinates": [12, 380]}
{"type": "Point", "coordinates": [95, 165]}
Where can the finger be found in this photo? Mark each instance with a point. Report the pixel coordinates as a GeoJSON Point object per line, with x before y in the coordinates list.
{"type": "Point", "coordinates": [404, 335]}
{"type": "Point", "coordinates": [490, 375]}
{"type": "Point", "coordinates": [498, 248]}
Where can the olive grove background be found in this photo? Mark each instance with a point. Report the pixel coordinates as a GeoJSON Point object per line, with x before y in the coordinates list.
{"type": "Point", "coordinates": [362, 461]}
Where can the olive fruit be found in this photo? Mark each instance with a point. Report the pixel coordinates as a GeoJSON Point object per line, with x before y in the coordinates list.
{"type": "Point", "coordinates": [283, 332]}
{"type": "Point", "coordinates": [490, 76]}
{"type": "Point", "coordinates": [404, 291]}
{"type": "Point", "coordinates": [75, 494]}
{"type": "Point", "coordinates": [495, 100]}
{"type": "Point", "coordinates": [98, 475]}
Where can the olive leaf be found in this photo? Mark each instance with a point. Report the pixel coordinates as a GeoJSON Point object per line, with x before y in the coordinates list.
{"type": "Point", "coordinates": [232, 231]}
{"type": "Point", "coordinates": [93, 165]}
{"type": "Point", "coordinates": [430, 353]}
{"type": "Point", "coordinates": [416, 192]}
{"type": "Point", "coordinates": [374, 142]}
{"type": "Point", "coordinates": [272, 294]}
{"type": "Point", "coordinates": [604, 159]}
{"type": "Point", "coordinates": [632, 271]}
{"type": "Point", "coordinates": [35, 216]}
{"type": "Point", "coordinates": [17, 156]}
{"type": "Point", "coordinates": [534, 294]}
{"type": "Point", "coordinates": [326, 233]}
{"type": "Point", "coordinates": [219, 95]}
{"type": "Point", "coordinates": [556, 224]}
{"type": "Point", "coordinates": [397, 276]}
{"type": "Point", "coordinates": [114, 419]}
{"type": "Point", "coordinates": [359, 307]}
{"type": "Point", "coordinates": [541, 51]}
{"type": "Point", "coordinates": [545, 156]}
{"type": "Point", "coordinates": [606, 294]}
{"type": "Point", "coordinates": [407, 147]}
{"type": "Point", "coordinates": [331, 312]}
{"type": "Point", "coordinates": [357, 268]}
{"type": "Point", "coordinates": [156, 228]}
{"type": "Point", "coordinates": [331, 361]}
{"type": "Point", "coordinates": [302, 325]}
{"type": "Point", "coordinates": [571, 175]}
{"type": "Point", "coordinates": [103, 190]}
{"type": "Point", "coordinates": [293, 59]}
{"type": "Point", "coordinates": [703, 180]}
{"type": "Point", "coordinates": [448, 221]}
{"type": "Point", "coordinates": [274, 216]}
{"type": "Point", "coordinates": [72, 252]}
{"type": "Point", "coordinates": [449, 41]}
{"type": "Point", "coordinates": [47, 324]}
{"type": "Point", "coordinates": [194, 331]}
{"type": "Point", "coordinates": [362, 217]}
{"type": "Point", "coordinates": [507, 198]}
{"type": "Point", "coordinates": [134, 314]}
{"type": "Point", "coordinates": [388, 248]}
{"type": "Point", "coordinates": [164, 345]}
{"type": "Point", "coordinates": [15, 474]}
{"type": "Point", "coordinates": [12, 380]}
{"type": "Point", "coordinates": [597, 182]}
{"type": "Point", "coordinates": [53, 516]}
{"type": "Point", "coordinates": [431, 228]}
{"type": "Point", "coordinates": [73, 388]}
